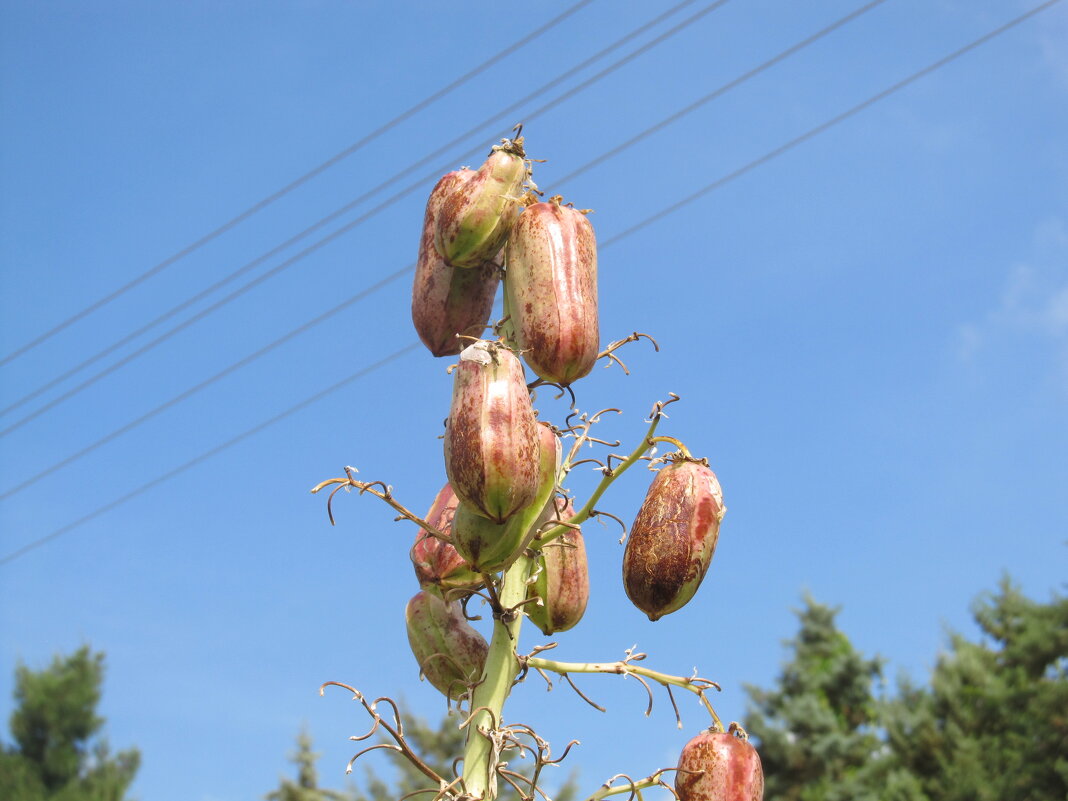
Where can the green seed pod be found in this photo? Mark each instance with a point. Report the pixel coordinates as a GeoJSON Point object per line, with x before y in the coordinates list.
{"type": "Point", "coordinates": [476, 216]}
{"type": "Point", "coordinates": [489, 546]}
{"type": "Point", "coordinates": [485, 545]}
{"type": "Point", "coordinates": [438, 567]}
{"type": "Point", "coordinates": [450, 653]}
{"type": "Point", "coordinates": [719, 766]}
{"type": "Point", "coordinates": [563, 581]}
{"type": "Point", "coordinates": [551, 289]}
{"type": "Point", "coordinates": [447, 301]}
{"type": "Point", "coordinates": [491, 435]}
{"type": "Point", "coordinates": [673, 537]}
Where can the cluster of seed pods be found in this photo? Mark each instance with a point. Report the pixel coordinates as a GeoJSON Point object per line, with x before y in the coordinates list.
{"type": "Point", "coordinates": [503, 465]}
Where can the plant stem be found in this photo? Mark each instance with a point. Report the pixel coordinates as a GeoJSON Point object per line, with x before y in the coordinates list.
{"type": "Point", "coordinates": [489, 696]}
{"type": "Point", "coordinates": [630, 787]}
{"type": "Point", "coordinates": [583, 514]}
{"type": "Point", "coordinates": [694, 684]}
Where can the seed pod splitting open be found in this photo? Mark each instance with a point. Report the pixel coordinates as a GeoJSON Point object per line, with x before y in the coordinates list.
{"type": "Point", "coordinates": [447, 301]}
{"type": "Point", "coordinates": [491, 436]}
{"type": "Point", "coordinates": [476, 216]}
{"type": "Point", "coordinates": [719, 766]}
{"type": "Point", "coordinates": [450, 653]}
{"type": "Point", "coordinates": [563, 581]}
{"type": "Point", "coordinates": [551, 287]}
{"type": "Point", "coordinates": [438, 566]}
{"type": "Point", "coordinates": [673, 537]}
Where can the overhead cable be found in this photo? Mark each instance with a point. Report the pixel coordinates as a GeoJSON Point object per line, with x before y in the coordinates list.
{"type": "Point", "coordinates": [770, 155]}
{"type": "Point", "coordinates": [285, 190]}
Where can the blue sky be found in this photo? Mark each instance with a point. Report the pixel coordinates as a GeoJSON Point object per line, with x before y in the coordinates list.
{"type": "Point", "coordinates": [869, 333]}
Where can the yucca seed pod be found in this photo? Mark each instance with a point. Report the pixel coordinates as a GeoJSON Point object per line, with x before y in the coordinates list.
{"type": "Point", "coordinates": [551, 291]}
{"type": "Point", "coordinates": [491, 435]}
{"type": "Point", "coordinates": [448, 301]}
{"type": "Point", "coordinates": [563, 581]}
{"type": "Point", "coordinates": [450, 653]}
{"type": "Point", "coordinates": [484, 544]}
{"type": "Point", "coordinates": [438, 567]}
{"type": "Point", "coordinates": [673, 537]}
{"type": "Point", "coordinates": [488, 546]}
{"type": "Point", "coordinates": [476, 216]}
{"type": "Point", "coordinates": [719, 766]}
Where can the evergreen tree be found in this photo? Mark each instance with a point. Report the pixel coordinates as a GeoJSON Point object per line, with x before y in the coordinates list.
{"type": "Point", "coordinates": [58, 754]}
{"type": "Point", "coordinates": [994, 723]}
{"type": "Point", "coordinates": [816, 730]}
{"type": "Point", "coordinates": [306, 787]}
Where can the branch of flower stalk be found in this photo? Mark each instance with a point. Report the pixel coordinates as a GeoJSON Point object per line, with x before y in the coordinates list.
{"type": "Point", "coordinates": [626, 667]}
{"type": "Point", "coordinates": [397, 732]}
{"type": "Point", "coordinates": [609, 352]}
{"type": "Point", "coordinates": [583, 514]}
{"type": "Point", "coordinates": [633, 787]}
{"type": "Point", "coordinates": [385, 494]}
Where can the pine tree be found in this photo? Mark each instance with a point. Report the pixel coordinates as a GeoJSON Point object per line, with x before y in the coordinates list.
{"type": "Point", "coordinates": [994, 723]}
{"type": "Point", "coordinates": [58, 753]}
{"type": "Point", "coordinates": [816, 731]}
{"type": "Point", "coordinates": [306, 787]}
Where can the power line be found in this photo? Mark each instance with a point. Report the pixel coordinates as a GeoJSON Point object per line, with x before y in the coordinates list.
{"type": "Point", "coordinates": [420, 183]}
{"type": "Point", "coordinates": [185, 395]}
{"type": "Point", "coordinates": [206, 455]}
{"type": "Point", "coordinates": [315, 171]}
{"type": "Point", "coordinates": [812, 132]}
{"type": "Point", "coordinates": [502, 114]}
{"type": "Point", "coordinates": [364, 293]}
{"type": "Point", "coordinates": [745, 76]}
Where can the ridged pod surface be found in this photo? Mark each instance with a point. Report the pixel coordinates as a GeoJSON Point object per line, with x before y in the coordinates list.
{"type": "Point", "coordinates": [476, 216]}
{"type": "Point", "coordinates": [488, 546]}
{"type": "Point", "coordinates": [673, 537]}
{"type": "Point", "coordinates": [491, 435]}
{"type": "Point", "coordinates": [450, 653]}
{"type": "Point", "coordinates": [438, 566]}
{"type": "Point", "coordinates": [551, 289]}
{"type": "Point", "coordinates": [719, 766]}
{"type": "Point", "coordinates": [563, 583]}
{"type": "Point", "coordinates": [446, 300]}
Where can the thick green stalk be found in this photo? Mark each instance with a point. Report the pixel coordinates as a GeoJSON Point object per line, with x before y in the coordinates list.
{"type": "Point", "coordinates": [491, 693]}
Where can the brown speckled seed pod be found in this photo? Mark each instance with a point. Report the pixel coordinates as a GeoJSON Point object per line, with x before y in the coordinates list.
{"type": "Point", "coordinates": [564, 580]}
{"type": "Point", "coordinates": [438, 566]}
{"type": "Point", "coordinates": [719, 766]}
{"type": "Point", "coordinates": [450, 653]}
{"type": "Point", "coordinates": [476, 216]}
{"type": "Point", "coordinates": [447, 301]}
{"type": "Point", "coordinates": [551, 287]}
{"type": "Point", "coordinates": [491, 435]}
{"type": "Point", "coordinates": [673, 537]}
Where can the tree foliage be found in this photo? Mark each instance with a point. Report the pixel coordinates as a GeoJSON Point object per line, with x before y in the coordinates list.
{"type": "Point", "coordinates": [58, 753]}
{"type": "Point", "coordinates": [306, 787]}
{"type": "Point", "coordinates": [816, 729]}
{"type": "Point", "coordinates": [992, 724]}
